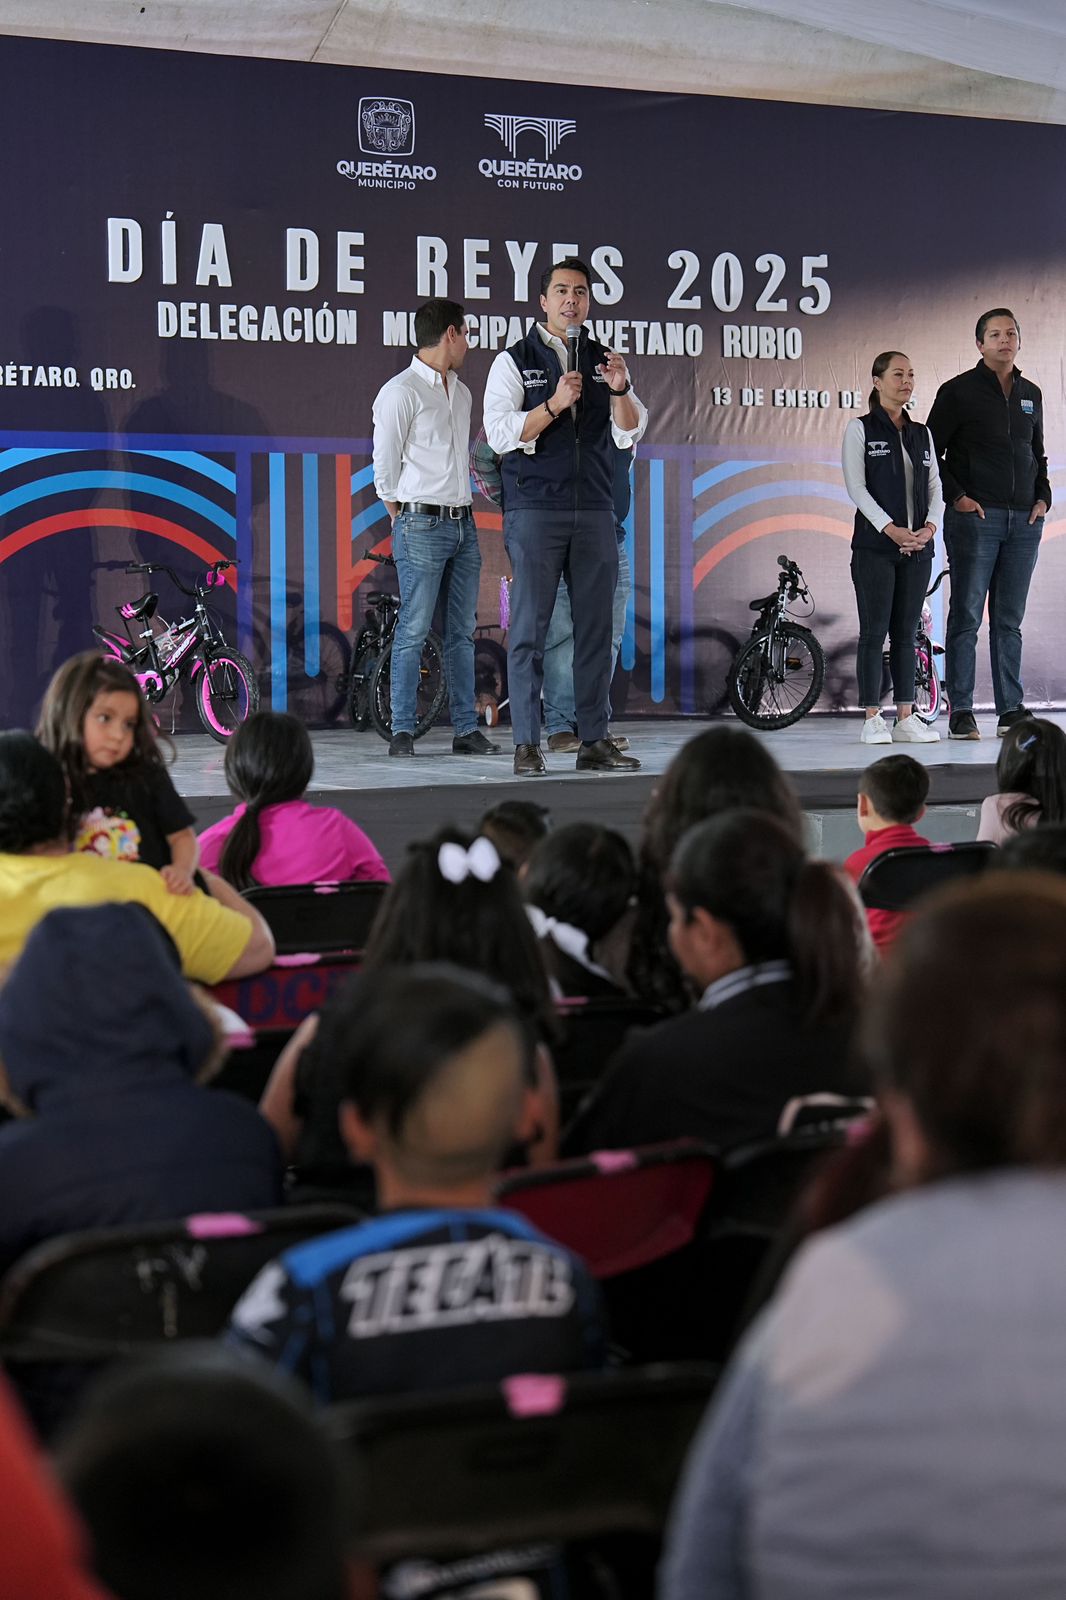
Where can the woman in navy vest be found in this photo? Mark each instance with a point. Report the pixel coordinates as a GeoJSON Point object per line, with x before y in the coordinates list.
{"type": "Point", "coordinates": [891, 474]}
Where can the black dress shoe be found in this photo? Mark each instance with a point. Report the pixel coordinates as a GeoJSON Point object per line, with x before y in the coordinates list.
{"type": "Point", "coordinates": [603, 756]}
{"type": "Point", "coordinates": [529, 761]}
{"type": "Point", "coordinates": [474, 744]}
{"type": "Point", "coordinates": [402, 744]}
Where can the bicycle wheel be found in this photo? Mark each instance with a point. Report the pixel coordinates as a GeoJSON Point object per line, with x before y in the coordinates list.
{"type": "Point", "coordinates": [321, 699]}
{"type": "Point", "coordinates": [928, 696]}
{"type": "Point", "coordinates": [364, 659]}
{"type": "Point", "coordinates": [777, 677]}
{"type": "Point", "coordinates": [430, 694]}
{"type": "Point", "coordinates": [227, 692]}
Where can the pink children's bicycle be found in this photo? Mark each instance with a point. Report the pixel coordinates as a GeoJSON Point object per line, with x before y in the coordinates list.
{"type": "Point", "coordinates": [161, 655]}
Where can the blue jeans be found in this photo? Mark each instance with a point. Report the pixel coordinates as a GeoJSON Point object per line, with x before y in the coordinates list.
{"type": "Point", "coordinates": [560, 715]}
{"type": "Point", "coordinates": [435, 558]}
{"type": "Point", "coordinates": [993, 558]}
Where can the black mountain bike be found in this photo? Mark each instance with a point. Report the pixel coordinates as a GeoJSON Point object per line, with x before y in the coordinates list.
{"type": "Point", "coordinates": [778, 674]}
{"type": "Point", "coordinates": [369, 683]}
{"type": "Point", "coordinates": [160, 655]}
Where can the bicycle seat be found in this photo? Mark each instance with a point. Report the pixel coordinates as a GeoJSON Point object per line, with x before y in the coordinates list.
{"type": "Point", "coordinates": [760, 605]}
{"type": "Point", "coordinates": [140, 610]}
{"type": "Point", "coordinates": [381, 597]}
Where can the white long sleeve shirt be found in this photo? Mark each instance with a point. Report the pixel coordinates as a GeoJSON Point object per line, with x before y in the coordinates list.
{"type": "Point", "coordinates": [853, 461]}
{"type": "Point", "coordinates": [422, 438]}
{"type": "Point", "coordinates": [505, 396]}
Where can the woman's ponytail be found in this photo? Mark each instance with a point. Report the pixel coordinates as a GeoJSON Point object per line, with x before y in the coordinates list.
{"type": "Point", "coordinates": [826, 936]}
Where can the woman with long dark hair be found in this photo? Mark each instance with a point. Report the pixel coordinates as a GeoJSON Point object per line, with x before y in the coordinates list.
{"type": "Point", "coordinates": [773, 942]}
{"type": "Point", "coordinates": [275, 835]}
{"type": "Point", "coordinates": [891, 474]}
{"type": "Point", "coordinates": [719, 769]}
{"type": "Point", "coordinates": [1030, 781]}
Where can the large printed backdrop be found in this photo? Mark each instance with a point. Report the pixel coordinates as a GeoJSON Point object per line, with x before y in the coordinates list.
{"type": "Point", "coordinates": [209, 267]}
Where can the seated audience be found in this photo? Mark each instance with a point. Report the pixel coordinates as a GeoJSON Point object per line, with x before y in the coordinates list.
{"type": "Point", "coordinates": [217, 935]}
{"type": "Point", "coordinates": [896, 1423]}
{"type": "Point", "coordinates": [773, 941]}
{"type": "Point", "coordinates": [892, 795]}
{"type": "Point", "coordinates": [101, 1044]}
{"type": "Point", "coordinates": [202, 1478]}
{"type": "Point", "coordinates": [450, 902]}
{"type": "Point", "coordinates": [275, 835]}
{"type": "Point", "coordinates": [441, 1288]}
{"type": "Point", "coordinates": [719, 770]}
{"type": "Point", "coordinates": [43, 1551]}
{"type": "Point", "coordinates": [580, 889]}
{"type": "Point", "coordinates": [515, 827]}
{"type": "Point", "coordinates": [1030, 779]}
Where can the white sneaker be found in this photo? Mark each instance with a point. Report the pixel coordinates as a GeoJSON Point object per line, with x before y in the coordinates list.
{"type": "Point", "coordinates": [912, 730]}
{"type": "Point", "coordinates": [875, 731]}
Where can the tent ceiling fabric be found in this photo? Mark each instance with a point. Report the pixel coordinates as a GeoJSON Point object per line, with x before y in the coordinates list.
{"type": "Point", "coordinates": [994, 58]}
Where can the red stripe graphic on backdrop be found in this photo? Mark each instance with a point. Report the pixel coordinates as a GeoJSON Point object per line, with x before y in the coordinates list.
{"type": "Point", "coordinates": [761, 530]}
{"type": "Point", "coordinates": [102, 516]}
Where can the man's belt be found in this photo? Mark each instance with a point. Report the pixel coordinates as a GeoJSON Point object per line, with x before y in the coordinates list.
{"type": "Point", "coordinates": [419, 508]}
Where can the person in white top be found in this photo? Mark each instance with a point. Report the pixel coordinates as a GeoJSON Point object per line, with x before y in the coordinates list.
{"type": "Point", "coordinates": [556, 405]}
{"type": "Point", "coordinates": [421, 474]}
{"type": "Point", "coordinates": [891, 475]}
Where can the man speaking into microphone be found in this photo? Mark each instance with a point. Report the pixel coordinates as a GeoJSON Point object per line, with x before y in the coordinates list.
{"type": "Point", "coordinates": [556, 405]}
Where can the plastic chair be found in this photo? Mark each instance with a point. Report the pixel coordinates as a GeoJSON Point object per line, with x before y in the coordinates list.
{"type": "Point", "coordinates": [895, 880]}
{"type": "Point", "coordinates": [617, 1209]}
{"type": "Point", "coordinates": [537, 1458]}
{"type": "Point", "coordinates": [318, 917]}
{"type": "Point", "coordinates": [594, 1030]}
{"type": "Point", "coordinates": [88, 1297]}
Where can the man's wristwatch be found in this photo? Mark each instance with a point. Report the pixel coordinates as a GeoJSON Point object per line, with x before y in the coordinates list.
{"type": "Point", "coordinates": [616, 393]}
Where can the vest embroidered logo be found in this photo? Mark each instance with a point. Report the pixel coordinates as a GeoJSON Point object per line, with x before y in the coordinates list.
{"type": "Point", "coordinates": [386, 130]}
{"type": "Point", "coordinates": [1027, 407]}
{"type": "Point", "coordinates": [532, 377]}
{"type": "Point", "coordinates": [529, 173]}
{"type": "Point", "coordinates": [878, 447]}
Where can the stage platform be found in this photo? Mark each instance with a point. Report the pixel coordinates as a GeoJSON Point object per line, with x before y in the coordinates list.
{"type": "Point", "coordinates": [399, 800]}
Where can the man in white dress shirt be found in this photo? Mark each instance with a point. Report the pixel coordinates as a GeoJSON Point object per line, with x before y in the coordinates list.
{"type": "Point", "coordinates": [556, 431]}
{"type": "Point", "coordinates": [422, 476]}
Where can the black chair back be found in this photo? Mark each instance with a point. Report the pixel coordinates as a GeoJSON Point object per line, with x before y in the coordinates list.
{"type": "Point", "coordinates": [895, 880]}
{"type": "Point", "coordinates": [88, 1297]}
{"type": "Point", "coordinates": [537, 1458]}
{"type": "Point", "coordinates": [319, 917]}
{"type": "Point", "coordinates": [593, 1031]}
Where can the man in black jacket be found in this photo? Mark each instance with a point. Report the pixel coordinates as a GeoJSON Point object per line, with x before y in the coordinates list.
{"type": "Point", "coordinates": [988, 428]}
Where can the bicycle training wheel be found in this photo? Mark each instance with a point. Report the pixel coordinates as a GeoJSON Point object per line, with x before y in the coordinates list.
{"type": "Point", "coordinates": [777, 677]}
{"type": "Point", "coordinates": [364, 660]}
{"type": "Point", "coordinates": [430, 694]}
{"type": "Point", "coordinates": [227, 692]}
{"type": "Point", "coordinates": [928, 694]}
{"type": "Point", "coordinates": [490, 679]}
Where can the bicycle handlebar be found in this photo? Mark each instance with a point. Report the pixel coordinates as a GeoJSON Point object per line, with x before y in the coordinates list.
{"type": "Point", "coordinates": [216, 567]}
{"type": "Point", "coordinates": [382, 561]}
{"type": "Point", "coordinates": [939, 581]}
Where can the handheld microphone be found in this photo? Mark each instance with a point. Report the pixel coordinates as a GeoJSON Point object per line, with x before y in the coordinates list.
{"type": "Point", "coordinates": [573, 334]}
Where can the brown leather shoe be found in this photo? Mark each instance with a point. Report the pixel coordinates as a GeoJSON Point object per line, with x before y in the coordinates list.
{"type": "Point", "coordinates": [529, 761]}
{"type": "Point", "coordinates": [603, 756]}
{"type": "Point", "coordinates": [563, 743]}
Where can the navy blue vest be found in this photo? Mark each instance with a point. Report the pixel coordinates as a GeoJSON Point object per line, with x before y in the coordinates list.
{"type": "Point", "coordinates": [885, 444]}
{"type": "Point", "coordinates": [572, 466]}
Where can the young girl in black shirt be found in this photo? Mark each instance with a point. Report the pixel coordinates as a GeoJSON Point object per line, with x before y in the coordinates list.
{"type": "Point", "coordinates": [123, 804]}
